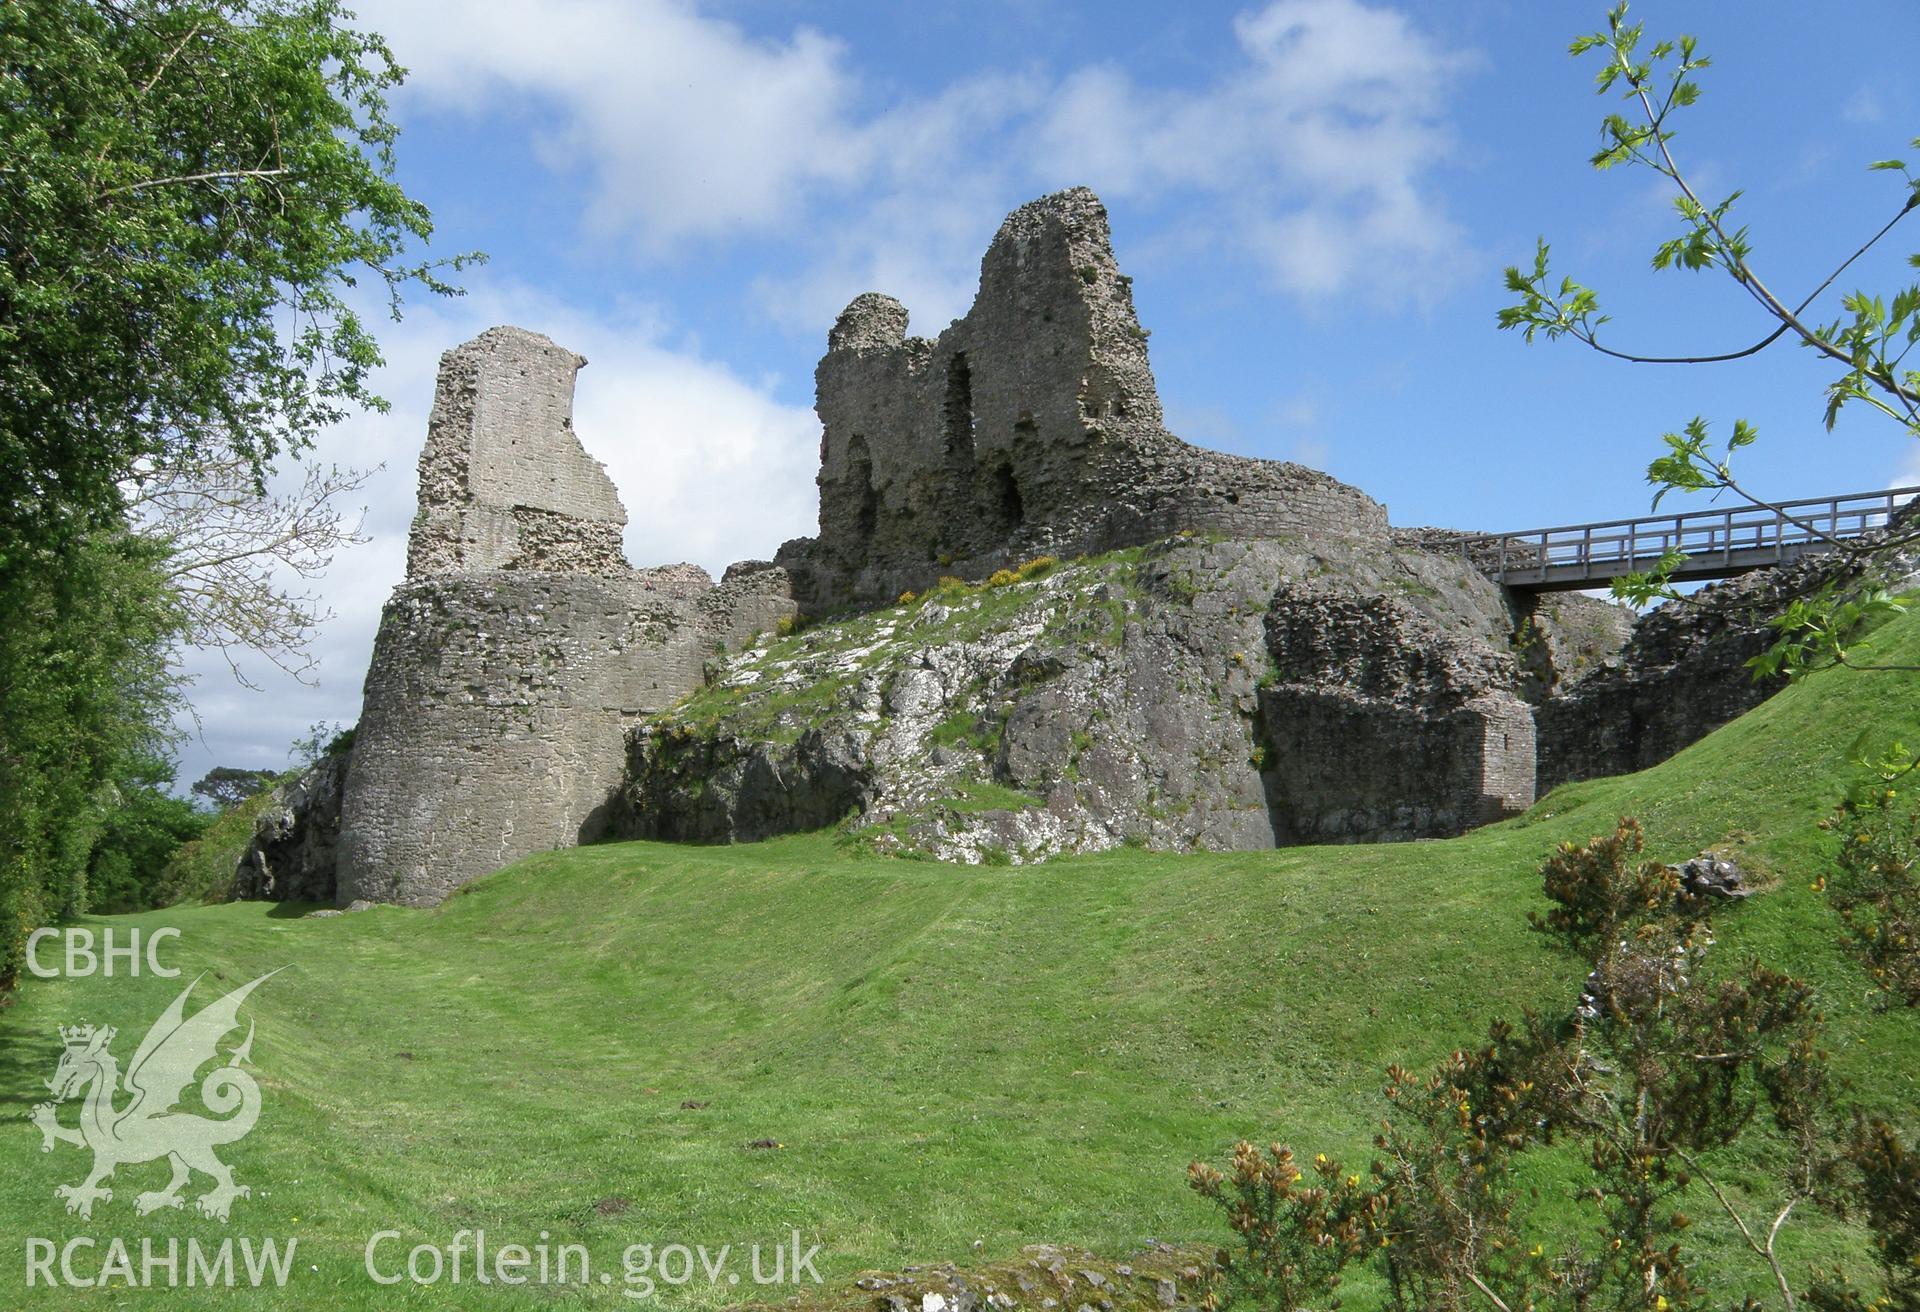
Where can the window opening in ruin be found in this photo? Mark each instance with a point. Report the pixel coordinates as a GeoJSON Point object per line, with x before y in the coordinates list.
{"type": "Point", "coordinates": [1013, 511]}
{"type": "Point", "coordinates": [860, 470]}
{"type": "Point", "coordinates": [957, 412]}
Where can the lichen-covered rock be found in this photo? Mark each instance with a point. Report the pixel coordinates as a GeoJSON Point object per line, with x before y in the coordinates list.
{"type": "Point", "coordinates": [292, 856]}
{"type": "Point", "coordinates": [1149, 695]}
{"type": "Point", "coordinates": [1711, 875]}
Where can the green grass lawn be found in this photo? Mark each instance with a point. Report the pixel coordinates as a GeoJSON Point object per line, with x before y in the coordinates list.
{"type": "Point", "coordinates": [955, 1061]}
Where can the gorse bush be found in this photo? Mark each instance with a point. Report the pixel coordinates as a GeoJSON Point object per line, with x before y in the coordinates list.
{"type": "Point", "coordinates": [1598, 887]}
{"type": "Point", "coordinates": [1655, 1070]}
{"type": "Point", "coordinates": [1297, 1232]}
{"type": "Point", "coordinates": [1874, 888]}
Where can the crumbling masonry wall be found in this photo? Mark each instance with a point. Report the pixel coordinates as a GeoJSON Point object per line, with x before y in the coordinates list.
{"type": "Point", "coordinates": [1377, 725]}
{"type": "Point", "coordinates": [504, 483]}
{"type": "Point", "coordinates": [1030, 426]}
{"type": "Point", "coordinates": [510, 663]}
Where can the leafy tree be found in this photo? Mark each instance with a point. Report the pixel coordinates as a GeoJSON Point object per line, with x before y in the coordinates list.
{"type": "Point", "coordinates": [190, 192]}
{"type": "Point", "coordinates": [84, 690]}
{"type": "Point", "coordinates": [144, 825]}
{"type": "Point", "coordinates": [192, 189]}
{"type": "Point", "coordinates": [1869, 337]}
{"type": "Point", "coordinates": [228, 785]}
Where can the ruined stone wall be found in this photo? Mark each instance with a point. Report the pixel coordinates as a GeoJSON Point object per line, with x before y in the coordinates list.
{"type": "Point", "coordinates": [504, 483]}
{"type": "Point", "coordinates": [1132, 705]}
{"type": "Point", "coordinates": [1681, 675]}
{"type": "Point", "coordinates": [1379, 726]}
{"type": "Point", "coordinates": [495, 717]}
{"type": "Point", "coordinates": [1683, 672]}
{"type": "Point", "coordinates": [522, 646]}
{"type": "Point", "coordinates": [1030, 426]}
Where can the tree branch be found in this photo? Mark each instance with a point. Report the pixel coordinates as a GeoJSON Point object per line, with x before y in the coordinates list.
{"type": "Point", "coordinates": [1764, 1252]}
{"type": "Point", "coordinates": [217, 175]}
{"type": "Point", "coordinates": [1492, 1297]}
{"type": "Point", "coordinates": [1736, 265]}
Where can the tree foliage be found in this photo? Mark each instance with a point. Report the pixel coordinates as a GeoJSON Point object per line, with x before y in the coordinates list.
{"type": "Point", "coordinates": [143, 826]}
{"type": "Point", "coordinates": [84, 691]}
{"type": "Point", "coordinates": [229, 785]}
{"type": "Point", "coordinates": [190, 193]}
{"type": "Point", "coordinates": [1869, 336]}
{"type": "Point", "coordinates": [230, 545]}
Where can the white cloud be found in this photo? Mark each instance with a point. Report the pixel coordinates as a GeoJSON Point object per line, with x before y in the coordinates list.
{"type": "Point", "coordinates": [710, 468]}
{"type": "Point", "coordinates": [1908, 474]}
{"type": "Point", "coordinates": [690, 126]}
{"type": "Point", "coordinates": [1311, 153]}
{"type": "Point", "coordinates": [1863, 106]}
{"type": "Point", "coordinates": [917, 230]}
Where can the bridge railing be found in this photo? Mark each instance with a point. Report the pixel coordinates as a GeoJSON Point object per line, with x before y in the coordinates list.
{"type": "Point", "coordinates": [1723, 541]}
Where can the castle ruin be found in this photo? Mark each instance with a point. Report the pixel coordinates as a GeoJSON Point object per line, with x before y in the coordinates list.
{"type": "Point", "coordinates": [521, 652]}
{"type": "Point", "coordinates": [1030, 426]}
{"type": "Point", "coordinates": [522, 645]}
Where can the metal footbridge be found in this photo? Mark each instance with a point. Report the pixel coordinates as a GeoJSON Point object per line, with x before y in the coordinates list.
{"type": "Point", "coordinates": [1713, 544]}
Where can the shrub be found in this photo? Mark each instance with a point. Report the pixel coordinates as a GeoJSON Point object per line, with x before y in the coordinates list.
{"type": "Point", "coordinates": [202, 870]}
{"type": "Point", "coordinates": [1874, 888]}
{"type": "Point", "coordinates": [1656, 1068]}
{"type": "Point", "coordinates": [142, 829]}
{"type": "Point", "coordinates": [1295, 1238]}
{"type": "Point", "coordinates": [1597, 887]}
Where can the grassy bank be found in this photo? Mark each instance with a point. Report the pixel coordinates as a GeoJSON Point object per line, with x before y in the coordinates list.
{"type": "Point", "coordinates": [953, 1062]}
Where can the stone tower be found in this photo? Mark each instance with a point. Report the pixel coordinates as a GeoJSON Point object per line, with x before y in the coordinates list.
{"type": "Point", "coordinates": [510, 663]}
{"type": "Point", "coordinates": [1031, 425]}
{"type": "Point", "coordinates": [504, 483]}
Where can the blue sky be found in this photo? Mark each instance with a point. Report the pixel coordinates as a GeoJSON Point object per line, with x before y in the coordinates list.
{"type": "Point", "coordinates": [1315, 198]}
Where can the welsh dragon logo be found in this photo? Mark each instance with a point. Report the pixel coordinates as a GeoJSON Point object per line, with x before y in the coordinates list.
{"type": "Point", "coordinates": [148, 1127]}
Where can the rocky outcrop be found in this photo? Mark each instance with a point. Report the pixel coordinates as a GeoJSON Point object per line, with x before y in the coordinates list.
{"type": "Point", "coordinates": [1565, 638]}
{"type": "Point", "coordinates": [1030, 426]}
{"type": "Point", "coordinates": [1152, 696]}
{"type": "Point", "coordinates": [294, 851]}
{"type": "Point", "coordinates": [1241, 652]}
